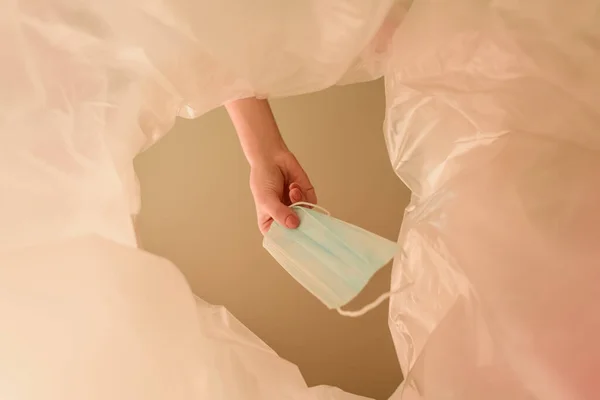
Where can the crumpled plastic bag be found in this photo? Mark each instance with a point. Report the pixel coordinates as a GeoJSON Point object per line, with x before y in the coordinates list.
{"type": "Point", "coordinates": [492, 122]}
{"type": "Point", "coordinates": [86, 86]}
{"type": "Point", "coordinates": [87, 318]}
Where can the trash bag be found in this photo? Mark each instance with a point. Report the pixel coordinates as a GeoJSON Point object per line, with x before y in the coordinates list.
{"type": "Point", "coordinates": [86, 86]}
{"type": "Point", "coordinates": [88, 318]}
{"type": "Point", "coordinates": [492, 121]}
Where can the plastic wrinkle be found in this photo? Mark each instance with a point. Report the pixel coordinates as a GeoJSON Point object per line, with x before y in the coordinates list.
{"type": "Point", "coordinates": [492, 121]}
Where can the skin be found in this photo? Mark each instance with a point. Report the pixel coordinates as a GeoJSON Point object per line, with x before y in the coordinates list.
{"type": "Point", "coordinates": [276, 177]}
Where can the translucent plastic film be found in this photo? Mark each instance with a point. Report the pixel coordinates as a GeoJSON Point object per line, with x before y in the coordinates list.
{"type": "Point", "coordinates": [84, 86]}
{"type": "Point", "coordinates": [106, 321]}
{"type": "Point", "coordinates": [493, 122]}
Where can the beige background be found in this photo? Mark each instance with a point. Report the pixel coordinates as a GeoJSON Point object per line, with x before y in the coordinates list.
{"type": "Point", "coordinates": [197, 211]}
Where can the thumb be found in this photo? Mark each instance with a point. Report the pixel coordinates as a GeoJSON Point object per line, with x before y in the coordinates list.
{"type": "Point", "coordinates": [281, 213]}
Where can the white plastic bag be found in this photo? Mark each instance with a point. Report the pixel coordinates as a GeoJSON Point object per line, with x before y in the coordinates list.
{"type": "Point", "coordinates": [91, 319]}
{"type": "Point", "coordinates": [492, 121]}
{"type": "Point", "coordinates": [86, 85]}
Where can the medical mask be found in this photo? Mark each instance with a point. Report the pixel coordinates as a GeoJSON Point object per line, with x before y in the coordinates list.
{"type": "Point", "coordinates": [332, 259]}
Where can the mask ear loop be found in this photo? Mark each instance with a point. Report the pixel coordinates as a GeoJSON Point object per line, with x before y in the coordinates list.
{"type": "Point", "coordinates": [374, 304]}
{"type": "Point", "coordinates": [311, 205]}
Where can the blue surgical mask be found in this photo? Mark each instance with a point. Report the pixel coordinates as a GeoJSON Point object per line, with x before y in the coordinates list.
{"type": "Point", "coordinates": [332, 259]}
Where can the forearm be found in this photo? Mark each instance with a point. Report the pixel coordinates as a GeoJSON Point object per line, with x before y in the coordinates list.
{"type": "Point", "coordinates": [256, 128]}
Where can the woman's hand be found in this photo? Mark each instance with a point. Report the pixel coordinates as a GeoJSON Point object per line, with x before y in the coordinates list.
{"type": "Point", "coordinates": [276, 183]}
{"type": "Point", "coordinates": [276, 178]}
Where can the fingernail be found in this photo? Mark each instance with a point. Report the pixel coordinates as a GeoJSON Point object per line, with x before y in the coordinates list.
{"type": "Point", "coordinates": [292, 221]}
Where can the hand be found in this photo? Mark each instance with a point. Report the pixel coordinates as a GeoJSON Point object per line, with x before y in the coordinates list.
{"type": "Point", "coordinates": [277, 182]}
{"type": "Point", "coordinates": [276, 178]}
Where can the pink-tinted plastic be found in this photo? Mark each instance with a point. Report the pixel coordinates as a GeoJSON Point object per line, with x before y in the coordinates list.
{"type": "Point", "coordinates": [493, 122]}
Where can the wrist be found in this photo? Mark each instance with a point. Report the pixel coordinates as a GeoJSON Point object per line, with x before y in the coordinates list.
{"type": "Point", "coordinates": [266, 155]}
{"type": "Point", "coordinates": [257, 130]}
